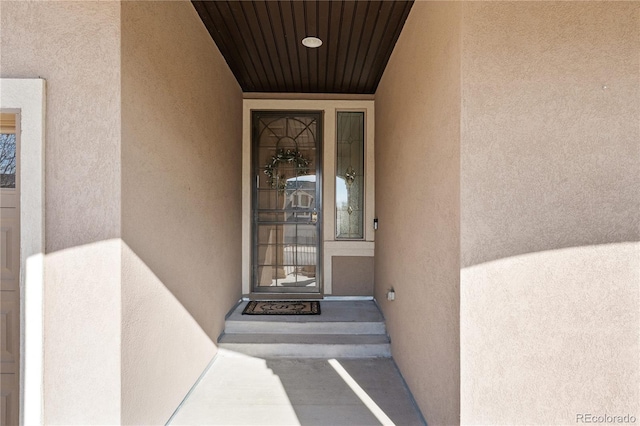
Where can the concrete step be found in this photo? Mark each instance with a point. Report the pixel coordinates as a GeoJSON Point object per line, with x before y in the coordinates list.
{"type": "Point", "coordinates": [265, 345]}
{"type": "Point", "coordinates": [314, 327]}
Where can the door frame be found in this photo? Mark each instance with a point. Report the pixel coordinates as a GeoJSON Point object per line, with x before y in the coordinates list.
{"type": "Point", "coordinates": [331, 247]}
{"type": "Point", "coordinates": [319, 201]}
{"type": "Point", "coordinates": [12, 300]}
{"type": "Point", "coordinates": [28, 96]}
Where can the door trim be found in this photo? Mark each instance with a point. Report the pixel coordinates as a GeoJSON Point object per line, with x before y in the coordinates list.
{"type": "Point", "coordinates": [28, 97]}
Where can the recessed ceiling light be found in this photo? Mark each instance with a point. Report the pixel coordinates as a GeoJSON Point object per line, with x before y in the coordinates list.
{"type": "Point", "coordinates": [312, 42]}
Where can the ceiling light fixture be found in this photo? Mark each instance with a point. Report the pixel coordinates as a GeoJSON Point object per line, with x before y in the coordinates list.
{"type": "Point", "coordinates": [312, 42]}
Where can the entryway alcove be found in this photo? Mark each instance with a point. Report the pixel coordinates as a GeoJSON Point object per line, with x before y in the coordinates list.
{"type": "Point", "coordinates": [308, 197]}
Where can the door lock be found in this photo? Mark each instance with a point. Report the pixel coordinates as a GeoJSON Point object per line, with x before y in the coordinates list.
{"type": "Point", "coordinates": [314, 217]}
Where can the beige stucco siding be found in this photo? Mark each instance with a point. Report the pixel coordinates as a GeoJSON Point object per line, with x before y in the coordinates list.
{"type": "Point", "coordinates": [179, 201]}
{"type": "Point", "coordinates": [352, 275]}
{"type": "Point", "coordinates": [75, 46]}
{"type": "Point", "coordinates": [417, 204]}
{"type": "Point", "coordinates": [549, 155]}
{"type": "Point", "coordinates": [181, 204]}
{"type": "Point", "coordinates": [550, 171]}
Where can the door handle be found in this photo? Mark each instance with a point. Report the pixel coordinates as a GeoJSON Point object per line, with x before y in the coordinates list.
{"type": "Point", "coordinates": [314, 217]}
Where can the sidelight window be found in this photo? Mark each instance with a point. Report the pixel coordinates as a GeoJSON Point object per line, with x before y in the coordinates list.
{"type": "Point", "coordinates": [350, 175]}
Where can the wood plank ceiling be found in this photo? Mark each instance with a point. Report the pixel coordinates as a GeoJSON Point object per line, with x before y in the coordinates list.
{"type": "Point", "coordinates": [261, 42]}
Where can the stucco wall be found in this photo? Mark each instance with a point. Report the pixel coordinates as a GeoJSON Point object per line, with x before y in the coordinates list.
{"type": "Point", "coordinates": [352, 275]}
{"type": "Point", "coordinates": [550, 162]}
{"type": "Point", "coordinates": [75, 46]}
{"type": "Point", "coordinates": [181, 204]}
{"type": "Point", "coordinates": [417, 204]}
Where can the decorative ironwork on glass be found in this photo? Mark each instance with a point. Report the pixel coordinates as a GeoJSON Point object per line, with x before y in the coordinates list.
{"type": "Point", "coordinates": [350, 175]}
{"type": "Point", "coordinates": [286, 201]}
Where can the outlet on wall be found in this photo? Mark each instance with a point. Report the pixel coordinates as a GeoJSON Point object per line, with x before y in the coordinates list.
{"type": "Point", "coordinates": [391, 294]}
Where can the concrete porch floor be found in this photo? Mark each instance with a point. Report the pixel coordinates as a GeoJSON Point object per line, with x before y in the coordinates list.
{"type": "Point", "coordinates": [239, 389]}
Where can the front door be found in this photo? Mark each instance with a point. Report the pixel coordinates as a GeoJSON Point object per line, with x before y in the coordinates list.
{"type": "Point", "coordinates": [286, 202]}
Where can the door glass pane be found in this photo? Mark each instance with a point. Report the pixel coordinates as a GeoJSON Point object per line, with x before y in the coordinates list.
{"type": "Point", "coordinates": [8, 150]}
{"type": "Point", "coordinates": [350, 175]}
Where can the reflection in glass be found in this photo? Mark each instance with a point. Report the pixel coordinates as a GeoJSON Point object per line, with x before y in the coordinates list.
{"type": "Point", "coordinates": [7, 160]}
{"type": "Point", "coordinates": [350, 175]}
{"type": "Point", "coordinates": [287, 255]}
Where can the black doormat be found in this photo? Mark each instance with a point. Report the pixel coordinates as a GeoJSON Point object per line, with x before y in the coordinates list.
{"type": "Point", "coordinates": [282, 307]}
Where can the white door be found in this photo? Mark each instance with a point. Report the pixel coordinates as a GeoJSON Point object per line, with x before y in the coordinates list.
{"type": "Point", "coordinates": [9, 269]}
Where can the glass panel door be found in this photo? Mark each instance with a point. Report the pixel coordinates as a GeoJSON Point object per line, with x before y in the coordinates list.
{"type": "Point", "coordinates": [286, 202]}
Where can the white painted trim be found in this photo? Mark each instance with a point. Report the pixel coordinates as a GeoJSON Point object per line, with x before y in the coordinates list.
{"type": "Point", "coordinates": [370, 174]}
{"type": "Point", "coordinates": [369, 171]}
{"type": "Point", "coordinates": [347, 298]}
{"type": "Point", "coordinates": [246, 198]}
{"type": "Point", "coordinates": [331, 247]}
{"type": "Point", "coordinates": [329, 188]}
{"type": "Point", "coordinates": [28, 95]}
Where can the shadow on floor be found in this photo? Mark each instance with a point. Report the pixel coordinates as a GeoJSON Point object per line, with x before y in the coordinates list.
{"type": "Point", "coordinates": [242, 390]}
{"type": "Point", "coordinates": [346, 392]}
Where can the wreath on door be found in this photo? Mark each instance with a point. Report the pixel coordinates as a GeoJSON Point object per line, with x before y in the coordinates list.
{"type": "Point", "coordinates": [293, 157]}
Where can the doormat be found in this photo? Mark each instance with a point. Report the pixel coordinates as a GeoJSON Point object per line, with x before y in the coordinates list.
{"type": "Point", "coordinates": [282, 307]}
